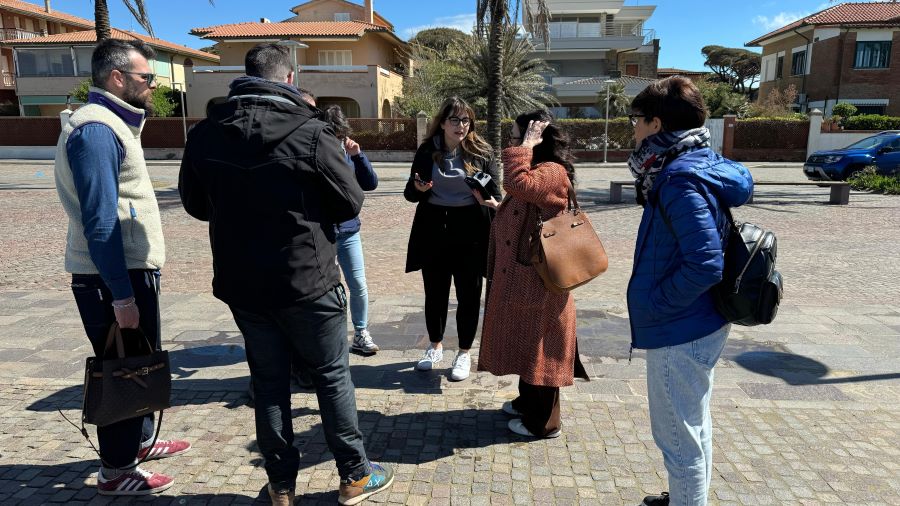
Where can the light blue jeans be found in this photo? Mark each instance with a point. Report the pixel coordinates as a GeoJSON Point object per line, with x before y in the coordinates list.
{"type": "Point", "coordinates": [679, 387]}
{"type": "Point", "coordinates": [350, 258]}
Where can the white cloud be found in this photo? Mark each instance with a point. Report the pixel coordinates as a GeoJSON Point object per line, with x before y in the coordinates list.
{"type": "Point", "coordinates": [464, 22]}
{"type": "Point", "coordinates": [778, 20]}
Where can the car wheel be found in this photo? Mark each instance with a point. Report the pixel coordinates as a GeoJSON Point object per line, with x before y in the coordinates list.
{"type": "Point", "coordinates": [851, 170]}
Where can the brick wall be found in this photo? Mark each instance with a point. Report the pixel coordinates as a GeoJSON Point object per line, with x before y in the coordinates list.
{"type": "Point", "coordinates": [787, 79]}
{"type": "Point", "coordinates": [17, 131]}
{"type": "Point", "coordinates": [647, 62]}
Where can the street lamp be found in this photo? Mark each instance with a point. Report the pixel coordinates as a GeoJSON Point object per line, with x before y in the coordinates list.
{"type": "Point", "coordinates": [606, 124]}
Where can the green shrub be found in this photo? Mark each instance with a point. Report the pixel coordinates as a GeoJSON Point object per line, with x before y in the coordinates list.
{"type": "Point", "coordinates": [844, 110]}
{"type": "Point", "coordinates": [870, 180]}
{"type": "Point", "coordinates": [872, 122]}
{"type": "Point", "coordinates": [165, 100]}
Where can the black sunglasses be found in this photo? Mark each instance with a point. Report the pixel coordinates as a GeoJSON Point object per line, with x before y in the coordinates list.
{"type": "Point", "coordinates": [149, 78]}
{"type": "Point", "coordinates": [633, 118]}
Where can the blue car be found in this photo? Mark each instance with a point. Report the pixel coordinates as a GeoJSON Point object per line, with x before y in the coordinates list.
{"type": "Point", "coordinates": [881, 151]}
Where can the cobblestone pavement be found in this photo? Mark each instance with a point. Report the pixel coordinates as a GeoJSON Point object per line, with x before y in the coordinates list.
{"type": "Point", "coordinates": [805, 410]}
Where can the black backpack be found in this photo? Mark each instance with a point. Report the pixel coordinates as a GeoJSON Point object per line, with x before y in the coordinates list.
{"type": "Point", "coordinates": [751, 288]}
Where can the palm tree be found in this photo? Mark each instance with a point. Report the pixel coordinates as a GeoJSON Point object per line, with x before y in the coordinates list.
{"type": "Point", "coordinates": [137, 9]}
{"type": "Point", "coordinates": [496, 15]}
{"type": "Point", "coordinates": [522, 86]}
{"type": "Point", "coordinates": [619, 102]}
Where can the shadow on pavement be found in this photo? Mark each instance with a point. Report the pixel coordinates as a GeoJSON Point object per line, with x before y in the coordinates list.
{"type": "Point", "coordinates": [72, 483]}
{"type": "Point", "coordinates": [798, 370]}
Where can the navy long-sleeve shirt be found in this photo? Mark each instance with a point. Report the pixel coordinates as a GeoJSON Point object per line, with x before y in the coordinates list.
{"type": "Point", "coordinates": [368, 181]}
{"type": "Point", "coordinates": [95, 156]}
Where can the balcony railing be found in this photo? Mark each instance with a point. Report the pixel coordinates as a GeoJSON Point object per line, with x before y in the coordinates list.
{"type": "Point", "coordinates": [7, 80]}
{"type": "Point", "coordinates": [16, 34]}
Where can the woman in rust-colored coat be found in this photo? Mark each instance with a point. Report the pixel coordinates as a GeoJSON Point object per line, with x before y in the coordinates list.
{"type": "Point", "coordinates": [528, 330]}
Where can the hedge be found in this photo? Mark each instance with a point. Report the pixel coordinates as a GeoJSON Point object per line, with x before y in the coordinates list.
{"type": "Point", "coordinates": [584, 133]}
{"type": "Point", "coordinates": [763, 133]}
{"type": "Point", "coordinates": [871, 122]}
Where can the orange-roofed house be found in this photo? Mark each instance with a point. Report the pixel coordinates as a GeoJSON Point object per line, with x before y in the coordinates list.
{"type": "Point", "coordinates": [49, 67]}
{"type": "Point", "coordinates": [841, 54]}
{"type": "Point", "coordinates": [347, 55]}
{"type": "Point", "coordinates": [25, 20]}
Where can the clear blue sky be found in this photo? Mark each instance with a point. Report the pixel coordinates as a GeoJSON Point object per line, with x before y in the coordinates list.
{"type": "Point", "coordinates": [682, 27]}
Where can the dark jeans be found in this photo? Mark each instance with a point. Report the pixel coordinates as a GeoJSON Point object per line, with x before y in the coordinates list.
{"type": "Point", "coordinates": [317, 331]}
{"type": "Point", "coordinates": [539, 406]}
{"type": "Point", "coordinates": [466, 275]}
{"type": "Point", "coordinates": [121, 441]}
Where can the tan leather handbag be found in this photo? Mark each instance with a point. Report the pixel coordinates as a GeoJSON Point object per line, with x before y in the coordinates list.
{"type": "Point", "coordinates": [565, 249]}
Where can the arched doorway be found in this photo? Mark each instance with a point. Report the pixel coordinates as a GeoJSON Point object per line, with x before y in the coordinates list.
{"type": "Point", "coordinates": [349, 106]}
{"type": "Point", "coordinates": [386, 109]}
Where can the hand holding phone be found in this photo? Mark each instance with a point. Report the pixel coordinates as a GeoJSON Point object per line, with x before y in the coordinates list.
{"type": "Point", "coordinates": [420, 185]}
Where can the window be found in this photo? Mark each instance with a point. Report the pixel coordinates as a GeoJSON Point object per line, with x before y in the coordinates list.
{"type": "Point", "coordinates": [45, 62]}
{"type": "Point", "coordinates": [568, 28]}
{"type": "Point", "coordinates": [872, 55]}
{"type": "Point", "coordinates": [870, 109]}
{"type": "Point", "coordinates": [334, 58]}
{"type": "Point", "coordinates": [342, 16]}
{"type": "Point", "coordinates": [161, 65]}
{"type": "Point", "coordinates": [83, 60]}
{"type": "Point", "coordinates": [779, 67]}
{"type": "Point", "coordinates": [798, 63]}
{"type": "Point", "coordinates": [588, 27]}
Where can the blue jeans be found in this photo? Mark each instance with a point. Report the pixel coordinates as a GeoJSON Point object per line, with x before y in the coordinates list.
{"type": "Point", "coordinates": [121, 441]}
{"type": "Point", "coordinates": [350, 258]}
{"type": "Point", "coordinates": [317, 332]}
{"type": "Point", "coordinates": [679, 387]}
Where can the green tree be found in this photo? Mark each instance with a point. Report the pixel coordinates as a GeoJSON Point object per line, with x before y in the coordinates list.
{"type": "Point", "coordinates": [619, 102]}
{"type": "Point", "coordinates": [495, 14]}
{"type": "Point", "coordinates": [439, 39]}
{"type": "Point", "coordinates": [522, 86]}
{"type": "Point", "coordinates": [165, 100]}
{"type": "Point", "coordinates": [426, 88]}
{"type": "Point", "coordinates": [736, 66]}
{"type": "Point", "coordinates": [721, 99]}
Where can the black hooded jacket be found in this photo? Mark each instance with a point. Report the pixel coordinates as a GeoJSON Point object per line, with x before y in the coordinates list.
{"type": "Point", "coordinates": [272, 181]}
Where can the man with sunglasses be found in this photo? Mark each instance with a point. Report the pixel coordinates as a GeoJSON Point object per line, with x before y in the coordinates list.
{"type": "Point", "coordinates": [114, 247]}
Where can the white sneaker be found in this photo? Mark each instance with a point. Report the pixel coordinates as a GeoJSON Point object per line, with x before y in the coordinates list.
{"type": "Point", "coordinates": [461, 366]}
{"type": "Point", "coordinates": [362, 342]}
{"type": "Point", "coordinates": [432, 357]}
{"type": "Point", "coordinates": [518, 427]}
{"type": "Point", "coordinates": [510, 410]}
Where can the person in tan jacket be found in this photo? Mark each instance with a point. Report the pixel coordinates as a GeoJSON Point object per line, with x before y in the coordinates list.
{"type": "Point", "coordinates": [528, 330]}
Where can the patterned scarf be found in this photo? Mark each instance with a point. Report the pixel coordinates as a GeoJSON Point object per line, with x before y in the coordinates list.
{"type": "Point", "coordinates": [648, 159]}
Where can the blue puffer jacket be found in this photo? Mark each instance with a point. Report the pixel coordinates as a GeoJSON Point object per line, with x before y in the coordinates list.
{"type": "Point", "coordinates": [668, 299]}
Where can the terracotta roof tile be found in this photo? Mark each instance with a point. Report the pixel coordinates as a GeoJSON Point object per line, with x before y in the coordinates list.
{"type": "Point", "coordinates": [90, 36]}
{"type": "Point", "coordinates": [289, 29]}
{"type": "Point", "coordinates": [38, 11]}
{"type": "Point", "coordinates": [851, 13]}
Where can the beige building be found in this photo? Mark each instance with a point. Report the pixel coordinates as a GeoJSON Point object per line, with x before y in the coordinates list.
{"type": "Point", "coordinates": [25, 20]}
{"type": "Point", "coordinates": [49, 67]}
{"type": "Point", "coordinates": [347, 55]}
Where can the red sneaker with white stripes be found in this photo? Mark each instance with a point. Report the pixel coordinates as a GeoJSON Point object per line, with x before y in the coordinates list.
{"type": "Point", "coordinates": [134, 482]}
{"type": "Point", "coordinates": [164, 448]}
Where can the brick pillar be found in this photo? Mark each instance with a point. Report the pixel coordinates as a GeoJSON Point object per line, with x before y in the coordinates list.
{"type": "Point", "coordinates": [728, 135]}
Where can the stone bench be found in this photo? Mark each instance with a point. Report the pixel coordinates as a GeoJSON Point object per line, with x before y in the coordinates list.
{"type": "Point", "coordinates": [840, 190]}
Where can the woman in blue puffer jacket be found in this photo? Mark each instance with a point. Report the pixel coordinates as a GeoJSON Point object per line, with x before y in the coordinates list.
{"type": "Point", "coordinates": [684, 187]}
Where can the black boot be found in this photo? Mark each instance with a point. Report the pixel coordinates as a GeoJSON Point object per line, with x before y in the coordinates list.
{"type": "Point", "coordinates": [656, 500]}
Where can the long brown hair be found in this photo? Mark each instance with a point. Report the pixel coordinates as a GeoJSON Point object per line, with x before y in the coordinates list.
{"type": "Point", "coordinates": [472, 146]}
{"type": "Point", "coordinates": [555, 145]}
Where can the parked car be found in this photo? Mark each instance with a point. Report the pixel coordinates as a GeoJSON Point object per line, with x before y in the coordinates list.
{"type": "Point", "coordinates": [881, 151]}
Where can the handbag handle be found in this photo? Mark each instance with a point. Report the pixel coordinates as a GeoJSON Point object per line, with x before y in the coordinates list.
{"type": "Point", "coordinates": [115, 336]}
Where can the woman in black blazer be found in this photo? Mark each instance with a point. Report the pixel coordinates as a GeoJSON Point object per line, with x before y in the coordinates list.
{"type": "Point", "coordinates": [451, 229]}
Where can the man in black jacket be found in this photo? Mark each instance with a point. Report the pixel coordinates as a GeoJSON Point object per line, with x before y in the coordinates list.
{"type": "Point", "coordinates": [272, 180]}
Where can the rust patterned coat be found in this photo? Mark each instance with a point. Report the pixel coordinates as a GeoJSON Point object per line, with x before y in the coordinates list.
{"type": "Point", "coordinates": [527, 330]}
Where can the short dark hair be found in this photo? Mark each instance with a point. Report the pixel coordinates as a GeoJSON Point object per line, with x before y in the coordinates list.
{"type": "Point", "coordinates": [306, 94]}
{"type": "Point", "coordinates": [676, 101]}
{"type": "Point", "coordinates": [268, 61]}
{"type": "Point", "coordinates": [115, 54]}
{"type": "Point", "coordinates": [334, 116]}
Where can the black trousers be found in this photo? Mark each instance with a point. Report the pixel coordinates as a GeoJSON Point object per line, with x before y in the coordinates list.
{"type": "Point", "coordinates": [466, 276]}
{"type": "Point", "coordinates": [539, 406]}
{"type": "Point", "coordinates": [121, 441]}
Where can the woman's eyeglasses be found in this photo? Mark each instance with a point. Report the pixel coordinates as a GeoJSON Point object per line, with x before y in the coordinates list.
{"type": "Point", "coordinates": [456, 121]}
{"type": "Point", "coordinates": [633, 118]}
